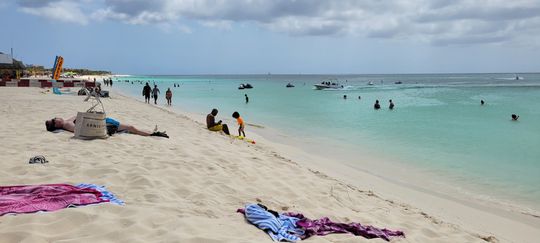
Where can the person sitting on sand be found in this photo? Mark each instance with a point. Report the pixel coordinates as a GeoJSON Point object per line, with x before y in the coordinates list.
{"type": "Point", "coordinates": [515, 117]}
{"type": "Point", "coordinates": [215, 126]}
{"type": "Point", "coordinates": [69, 125]}
{"type": "Point", "coordinates": [98, 89]}
{"type": "Point", "coordinates": [377, 105]}
{"type": "Point", "coordinates": [240, 123]}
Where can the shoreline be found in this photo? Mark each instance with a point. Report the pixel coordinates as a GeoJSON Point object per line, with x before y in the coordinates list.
{"type": "Point", "coordinates": [187, 188]}
{"type": "Point", "coordinates": [386, 162]}
{"type": "Point", "coordinates": [485, 216]}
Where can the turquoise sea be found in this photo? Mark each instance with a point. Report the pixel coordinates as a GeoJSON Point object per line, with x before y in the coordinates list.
{"type": "Point", "coordinates": [437, 126]}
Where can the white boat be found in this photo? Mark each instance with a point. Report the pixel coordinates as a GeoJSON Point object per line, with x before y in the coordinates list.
{"type": "Point", "coordinates": [330, 84]}
{"type": "Point", "coordinates": [370, 83]}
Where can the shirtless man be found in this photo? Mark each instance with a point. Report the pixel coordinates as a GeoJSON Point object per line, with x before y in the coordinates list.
{"type": "Point", "coordinates": [69, 125]}
{"type": "Point", "coordinates": [215, 126]}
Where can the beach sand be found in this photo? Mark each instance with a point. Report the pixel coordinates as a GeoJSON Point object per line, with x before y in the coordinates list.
{"type": "Point", "coordinates": [183, 189]}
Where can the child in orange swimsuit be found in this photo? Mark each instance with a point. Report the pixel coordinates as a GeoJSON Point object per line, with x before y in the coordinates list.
{"type": "Point", "coordinates": [240, 123]}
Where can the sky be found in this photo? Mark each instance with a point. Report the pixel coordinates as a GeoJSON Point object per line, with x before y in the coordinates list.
{"type": "Point", "coordinates": [277, 36]}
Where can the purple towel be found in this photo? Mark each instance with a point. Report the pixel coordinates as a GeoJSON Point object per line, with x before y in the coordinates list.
{"type": "Point", "coordinates": [325, 226]}
{"type": "Point", "coordinates": [47, 197]}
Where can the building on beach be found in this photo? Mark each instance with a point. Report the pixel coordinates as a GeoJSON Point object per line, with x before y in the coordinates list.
{"type": "Point", "coordinates": [10, 68]}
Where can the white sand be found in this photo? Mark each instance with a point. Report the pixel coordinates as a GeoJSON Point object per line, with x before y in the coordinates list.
{"type": "Point", "coordinates": [183, 189]}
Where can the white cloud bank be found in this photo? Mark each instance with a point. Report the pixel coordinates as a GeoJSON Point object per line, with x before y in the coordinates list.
{"type": "Point", "coordinates": [440, 22]}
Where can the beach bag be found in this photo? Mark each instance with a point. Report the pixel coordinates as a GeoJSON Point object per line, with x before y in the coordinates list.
{"type": "Point", "coordinates": [91, 124]}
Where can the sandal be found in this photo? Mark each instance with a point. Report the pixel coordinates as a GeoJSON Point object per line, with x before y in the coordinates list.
{"type": "Point", "coordinates": [40, 159]}
{"type": "Point", "coordinates": [160, 134]}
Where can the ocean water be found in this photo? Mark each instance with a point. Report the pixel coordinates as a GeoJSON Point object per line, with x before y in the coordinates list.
{"type": "Point", "coordinates": [438, 125]}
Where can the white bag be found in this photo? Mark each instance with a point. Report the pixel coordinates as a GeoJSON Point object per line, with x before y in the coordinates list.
{"type": "Point", "coordinates": [91, 124]}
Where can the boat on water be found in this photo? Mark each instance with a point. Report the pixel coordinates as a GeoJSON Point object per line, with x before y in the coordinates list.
{"type": "Point", "coordinates": [370, 83]}
{"type": "Point", "coordinates": [289, 85]}
{"type": "Point", "coordinates": [398, 82]}
{"type": "Point", "coordinates": [330, 84]}
{"type": "Point", "coordinates": [245, 86]}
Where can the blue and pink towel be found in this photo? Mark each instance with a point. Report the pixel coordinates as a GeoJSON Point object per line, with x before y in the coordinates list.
{"type": "Point", "coordinates": [51, 197]}
{"type": "Point", "coordinates": [295, 226]}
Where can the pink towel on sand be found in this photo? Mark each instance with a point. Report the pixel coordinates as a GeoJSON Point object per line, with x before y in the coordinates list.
{"type": "Point", "coordinates": [47, 197]}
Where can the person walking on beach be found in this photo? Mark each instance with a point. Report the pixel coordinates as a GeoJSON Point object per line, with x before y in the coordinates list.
{"type": "Point", "coordinates": [240, 121]}
{"type": "Point", "coordinates": [377, 105]}
{"type": "Point", "coordinates": [247, 98]}
{"type": "Point", "coordinates": [214, 126]}
{"type": "Point", "coordinates": [146, 93]}
{"type": "Point", "coordinates": [168, 96]}
{"type": "Point", "coordinates": [391, 107]}
{"type": "Point", "coordinates": [110, 82]}
{"type": "Point", "coordinates": [155, 93]}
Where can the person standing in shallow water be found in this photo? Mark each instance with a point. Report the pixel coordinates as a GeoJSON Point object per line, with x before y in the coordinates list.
{"type": "Point", "coordinates": [247, 98]}
{"type": "Point", "coordinates": [168, 96]}
{"type": "Point", "coordinates": [146, 93]}
{"type": "Point", "coordinates": [155, 93]}
{"type": "Point", "coordinates": [377, 105]}
{"type": "Point", "coordinates": [391, 107]}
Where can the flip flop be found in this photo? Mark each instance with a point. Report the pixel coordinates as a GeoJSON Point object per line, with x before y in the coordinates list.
{"type": "Point", "coordinates": [40, 159]}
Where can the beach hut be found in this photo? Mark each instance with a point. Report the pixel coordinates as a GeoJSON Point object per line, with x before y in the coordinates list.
{"type": "Point", "coordinates": [9, 67]}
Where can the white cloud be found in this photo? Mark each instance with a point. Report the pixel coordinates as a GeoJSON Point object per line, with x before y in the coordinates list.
{"type": "Point", "coordinates": [441, 22]}
{"type": "Point", "coordinates": [218, 24]}
{"type": "Point", "coordinates": [66, 11]}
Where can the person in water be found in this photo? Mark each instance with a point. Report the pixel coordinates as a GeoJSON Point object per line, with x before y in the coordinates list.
{"type": "Point", "coordinates": [344, 97]}
{"type": "Point", "coordinates": [515, 117]}
{"type": "Point", "coordinates": [146, 93]}
{"type": "Point", "coordinates": [482, 102]}
{"type": "Point", "coordinates": [377, 105]}
{"type": "Point", "coordinates": [168, 96]}
{"type": "Point", "coordinates": [240, 121]}
{"type": "Point", "coordinates": [247, 98]}
{"type": "Point", "coordinates": [391, 107]}
{"type": "Point", "coordinates": [69, 125]}
{"type": "Point", "coordinates": [155, 93]}
{"type": "Point", "coordinates": [212, 125]}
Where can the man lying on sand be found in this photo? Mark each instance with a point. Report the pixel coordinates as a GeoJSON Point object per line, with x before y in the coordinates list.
{"type": "Point", "coordinates": [69, 125]}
